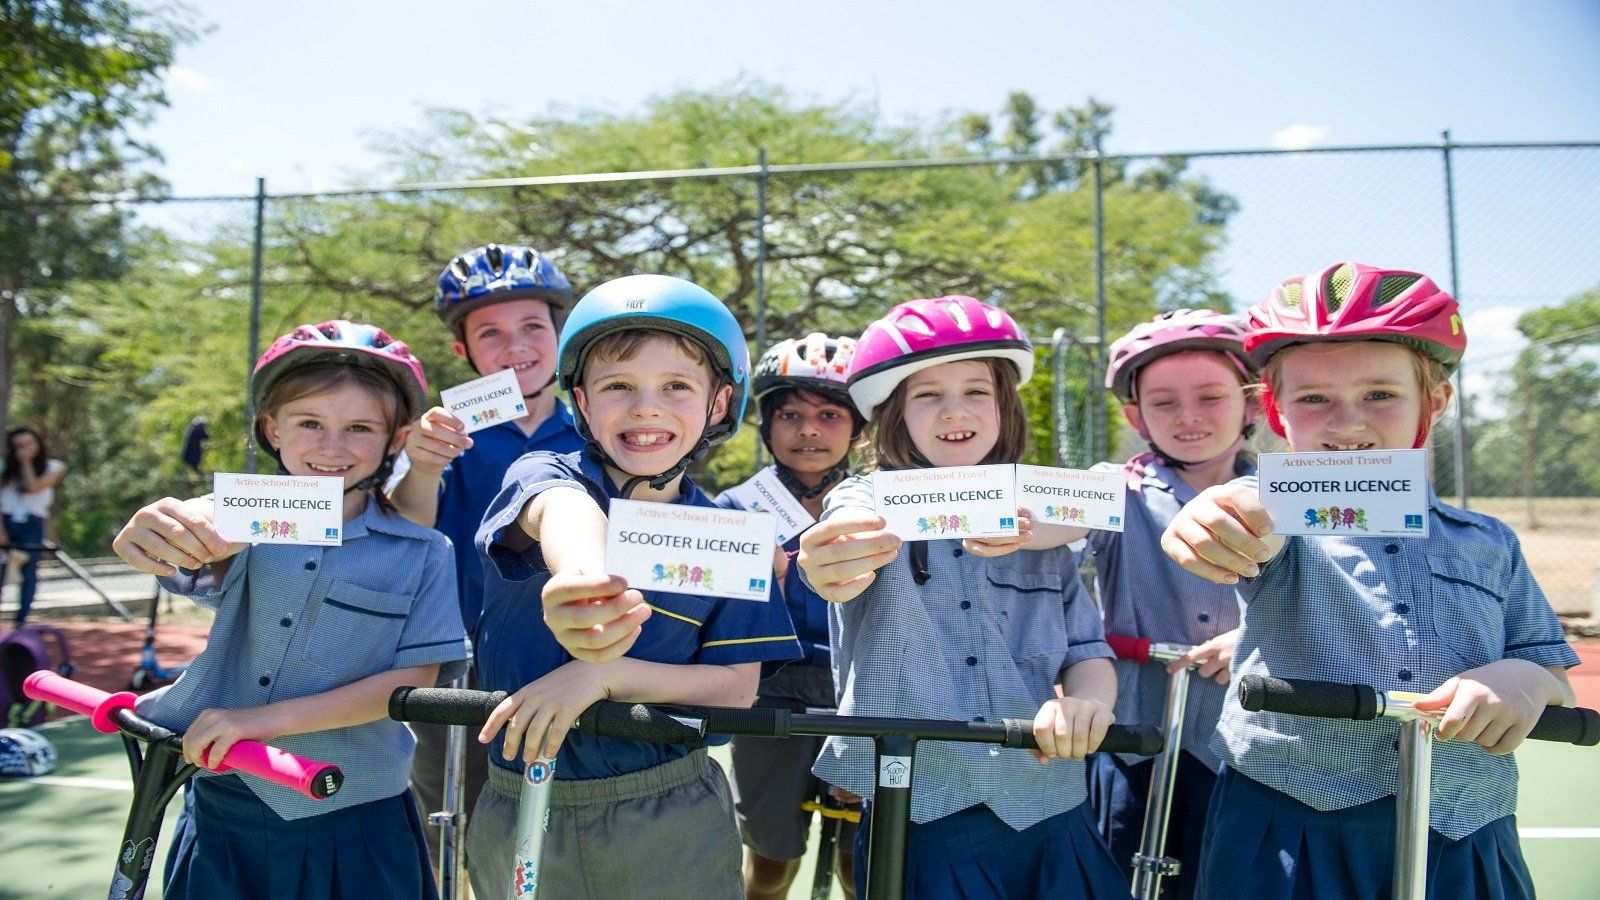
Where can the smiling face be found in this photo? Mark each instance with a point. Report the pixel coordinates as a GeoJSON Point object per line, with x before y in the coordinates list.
{"type": "Point", "coordinates": [648, 410]}
{"type": "Point", "coordinates": [1356, 395]}
{"type": "Point", "coordinates": [342, 432]}
{"type": "Point", "coordinates": [808, 433]}
{"type": "Point", "coordinates": [517, 335]}
{"type": "Point", "coordinates": [1191, 404]}
{"type": "Point", "coordinates": [950, 412]}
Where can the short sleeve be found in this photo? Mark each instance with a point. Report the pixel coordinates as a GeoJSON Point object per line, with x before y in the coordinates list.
{"type": "Point", "coordinates": [1533, 632]}
{"type": "Point", "coordinates": [854, 492]}
{"type": "Point", "coordinates": [433, 632]}
{"type": "Point", "coordinates": [201, 585]}
{"type": "Point", "coordinates": [1086, 633]}
{"type": "Point", "coordinates": [513, 558]}
{"type": "Point", "coordinates": [742, 631]}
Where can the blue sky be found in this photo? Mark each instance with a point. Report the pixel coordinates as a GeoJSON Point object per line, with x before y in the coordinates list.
{"type": "Point", "coordinates": [295, 91]}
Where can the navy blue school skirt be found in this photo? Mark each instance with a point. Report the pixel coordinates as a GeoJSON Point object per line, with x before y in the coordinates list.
{"type": "Point", "coordinates": [974, 855]}
{"type": "Point", "coordinates": [1118, 792]}
{"type": "Point", "coordinates": [1266, 845]}
{"type": "Point", "coordinates": [230, 844]}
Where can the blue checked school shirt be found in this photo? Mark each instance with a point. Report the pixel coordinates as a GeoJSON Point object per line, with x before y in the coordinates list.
{"type": "Point", "coordinates": [981, 641]}
{"type": "Point", "coordinates": [515, 647]}
{"type": "Point", "coordinates": [1398, 614]}
{"type": "Point", "coordinates": [294, 620]}
{"type": "Point", "coordinates": [1143, 594]}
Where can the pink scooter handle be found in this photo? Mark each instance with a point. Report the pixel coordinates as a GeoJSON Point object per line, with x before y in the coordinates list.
{"type": "Point", "coordinates": [1130, 648]}
{"type": "Point", "coordinates": [317, 780]}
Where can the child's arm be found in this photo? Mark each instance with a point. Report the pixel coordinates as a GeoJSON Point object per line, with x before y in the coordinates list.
{"type": "Point", "coordinates": [32, 484]}
{"type": "Point", "coordinates": [1495, 706]}
{"type": "Point", "coordinates": [595, 616]}
{"type": "Point", "coordinates": [216, 730]}
{"type": "Point", "coordinates": [537, 717]}
{"type": "Point", "coordinates": [1223, 534]}
{"type": "Point", "coordinates": [436, 441]}
{"type": "Point", "coordinates": [841, 555]}
{"type": "Point", "coordinates": [1073, 725]}
{"type": "Point", "coordinates": [169, 534]}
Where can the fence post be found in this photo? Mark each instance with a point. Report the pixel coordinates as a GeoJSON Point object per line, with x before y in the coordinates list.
{"type": "Point", "coordinates": [1463, 489]}
{"type": "Point", "coordinates": [255, 327]}
{"type": "Point", "coordinates": [761, 271]}
{"type": "Point", "coordinates": [1096, 388]}
{"type": "Point", "coordinates": [1058, 392]}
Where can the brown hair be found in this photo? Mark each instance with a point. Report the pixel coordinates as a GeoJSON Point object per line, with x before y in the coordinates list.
{"type": "Point", "coordinates": [625, 345]}
{"type": "Point", "coordinates": [891, 447]}
{"type": "Point", "coordinates": [322, 377]}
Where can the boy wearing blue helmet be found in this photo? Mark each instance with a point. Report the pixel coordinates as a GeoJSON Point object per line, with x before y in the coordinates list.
{"type": "Point", "coordinates": [659, 371]}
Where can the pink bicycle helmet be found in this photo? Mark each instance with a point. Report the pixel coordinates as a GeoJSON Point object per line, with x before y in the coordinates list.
{"type": "Point", "coordinates": [1174, 332]}
{"type": "Point", "coordinates": [351, 343]}
{"type": "Point", "coordinates": [922, 333]}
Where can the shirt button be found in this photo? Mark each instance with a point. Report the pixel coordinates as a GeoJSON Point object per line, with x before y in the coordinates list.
{"type": "Point", "coordinates": [1401, 608]}
{"type": "Point", "coordinates": [1391, 549]}
{"type": "Point", "coordinates": [265, 680]}
{"type": "Point", "coordinates": [286, 621]}
{"type": "Point", "coordinates": [966, 604]}
{"type": "Point", "coordinates": [958, 551]}
{"type": "Point", "coordinates": [977, 718]}
{"type": "Point", "coordinates": [1404, 674]}
{"type": "Point", "coordinates": [1205, 617]}
{"type": "Point", "coordinates": [311, 565]}
{"type": "Point", "coordinates": [972, 660]}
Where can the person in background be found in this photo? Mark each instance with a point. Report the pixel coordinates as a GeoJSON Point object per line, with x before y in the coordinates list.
{"type": "Point", "coordinates": [27, 488]}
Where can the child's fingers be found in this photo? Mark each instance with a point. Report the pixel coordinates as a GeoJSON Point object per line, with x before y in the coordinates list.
{"type": "Point", "coordinates": [849, 590]}
{"type": "Point", "coordinates": [219, 749]}
{"type": "Point", "coordinates": [856, 546]}
{"type": "Point", "coordinates": [1099, 723]}
{"type": "Point", "coordinates": [136, 556]}
{"type": "Point", "coordinates": [536, 734]}
{"type": "Point", "coordinates": [196, 534]}
{"type": "Point", "coordinates": [1462, 720]}
{"type": "Point", "coordinates": [604, 643]}
{"type": "Point", "coordinates": [847, 522]}
{"type": "Point", "coordinates": [1512, 738]}
{"type": "Point", "coordinates": [1178, 547]}
{"type": "Point", "coordinates": [1046, 725]}
{"type": "Point", "coordinates": [556, 735]}
{"type": "Point", "coordinates": [844, 572]}
{"type": "Point", "coordinates": [498, 718]}
{"type": "Point", "coordinates": [587, 613]}
{"type": "Point", "coordinates": [571, 587]}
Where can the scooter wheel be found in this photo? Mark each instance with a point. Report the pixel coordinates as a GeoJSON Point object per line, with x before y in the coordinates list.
{"type": "Point", "coordinates": [139, 680]}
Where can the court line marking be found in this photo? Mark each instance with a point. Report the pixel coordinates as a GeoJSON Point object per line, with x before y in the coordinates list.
{"type": "Point", "coordinates": [1567, 833]}
{"type": "Point", "coordinates": [102, 784]}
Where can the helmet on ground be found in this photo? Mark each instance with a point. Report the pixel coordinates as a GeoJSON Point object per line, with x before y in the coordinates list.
{"type": "Point", "coordinates": [494, 274]}
{"type": "Point", "coordinates": [922, 333]}
{"type": "Point", "coordinates": [1174, 332]}
{"type": "Point", "coordinates": [25, 753]}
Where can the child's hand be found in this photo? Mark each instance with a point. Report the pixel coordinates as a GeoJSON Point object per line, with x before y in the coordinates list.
{"type": "Point", "coordinates": [595, 617]}
{"type": "Point", "coordinates": [438, 438]}
{"type": "Point", "coordinates": [1070, 728]}
{"type": "Point", "coordinates": [215, 731]}
{"type": "Point", "coordinates": [1211, 659]}
{"type": "Point", "coordinates": [1222, 534]}
{"type": "Point", "coordinates": [841, 556]}
{"type": "Point", "coordinates": [996, 547]}
{"type": "Point", "coordinates": [171, 533]}
{"type": "Point", "coordinates": [538, 717]}
{"type": "Point", "coordinates": [1493, 706]}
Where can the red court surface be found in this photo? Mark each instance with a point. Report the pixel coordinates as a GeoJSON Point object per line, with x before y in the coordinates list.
{"type": "Point", "coordinates": [1586, 677]}
{"type": "Point", "coordinates": [106, 652]}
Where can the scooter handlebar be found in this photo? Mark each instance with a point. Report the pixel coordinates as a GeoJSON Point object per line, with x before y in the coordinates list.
{"type": "Point", "coordinates": [452, 706]}
{"type": "Point", "coordinates": [1130, 648]}
{"type": "Point", "coordinates": [107, 712]}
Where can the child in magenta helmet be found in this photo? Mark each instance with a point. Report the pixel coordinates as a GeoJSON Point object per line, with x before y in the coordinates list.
{"type": "Point", "coordinates": [1359, 358]}
{"type": "Point", "coordinates": [942, 632]}
{"type": "Point", "coordinates": [309, 642]}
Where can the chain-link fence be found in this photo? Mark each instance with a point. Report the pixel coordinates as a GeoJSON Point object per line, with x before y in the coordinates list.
{"type": "Point", "coordinates": [1077, 247]}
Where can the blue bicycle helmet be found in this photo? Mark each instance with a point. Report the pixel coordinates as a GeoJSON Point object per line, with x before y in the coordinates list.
{"type": "Point", "coordinates": [494, 274]}
{"type": "Point", "coordinates": [25, 754]}
{"type": "Point", "coordinates": [660, 303]}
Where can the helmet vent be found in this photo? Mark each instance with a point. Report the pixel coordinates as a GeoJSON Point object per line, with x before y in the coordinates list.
{"type": "Point", "coordinates": [1393, 286]}
{"type": "Point", "coordinates": [913, 324]}
{"type": "Point", "coordinates": [958, 314]}
{"type": "Point", "coordinates": [494, 256]}
{"type": "Point", "coordinates": [1340, 281]}
{"type": "Point", "coordinates": [1291, 294]}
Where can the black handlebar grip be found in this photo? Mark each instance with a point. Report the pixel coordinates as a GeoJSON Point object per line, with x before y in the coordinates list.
{"type": "Point", "coordinates": [443, 706]}
{"type": "Point", "coordinates": [636, 722]}
{"type": "Point", "coordinates": [1302, 697]}
{"type": "Point", "coordinates": [1141, 740]}
{"type": "Point", "coordinates": [1568, 725]}
{"type": "Point", "coordinates": [757, 722]}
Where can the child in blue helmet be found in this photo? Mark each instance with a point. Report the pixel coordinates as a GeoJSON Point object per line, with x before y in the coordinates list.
{"type": "Point", "coordinates": [505, 305]}
{"type": "Point", "coordinates": [659, 371]}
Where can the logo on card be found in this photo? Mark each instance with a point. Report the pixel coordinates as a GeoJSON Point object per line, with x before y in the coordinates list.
{"type": "Point", "coordinates": [679, 574]}
{"type": "Point", "coordinates": [758, 584]}
{"type": "Point", "coordinates": [1008, 522]}
{"type": "Point", "coordinates": [1413, 523]}
{"type": "Point", "coordinates": [1066, 514]}
{"type": "Point", "coordinates": [275, 528]}
{"type": "Point", "coordinates": [330, 534]}
{"type": "Point", "coordinates": [949, 525]}
{"type": "Point", "coordinates": [521, 407]}
{"type": "Point", "coordinates": [1334, 517]}
{"type": "Point", "coordinates": [1116, 520]}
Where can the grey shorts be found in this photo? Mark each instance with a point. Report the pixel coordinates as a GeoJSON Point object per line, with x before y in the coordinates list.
{"type": "Point", "coordinates": [771, 778]}
{"type": "Point", "coordinates": [665, 833]}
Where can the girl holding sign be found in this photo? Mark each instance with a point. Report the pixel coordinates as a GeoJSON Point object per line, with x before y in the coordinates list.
{"type": "Point", "coordinates": [1182, 378]}
{"type": "Point", "coordinates": [808, 423]}
{"type": "Point", "coordinates": [309, 642]}
{"type": "Point", "coordinates": [948, 634]}
{"type": "Point", "coordinates": [1358, 358]}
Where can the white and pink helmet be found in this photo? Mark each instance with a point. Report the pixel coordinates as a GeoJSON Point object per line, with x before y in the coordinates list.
{"type": "Point", "coordinates": [922, 333]}
{"type": "Point", "coordinates": [1174, 332]}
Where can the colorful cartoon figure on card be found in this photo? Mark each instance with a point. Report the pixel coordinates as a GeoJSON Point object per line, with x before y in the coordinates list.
{"type": "Point", "coordinates": [705, 579]}
{"type": "Point", "coordinates": [694, 575]}
{"type": "Point", "coordinates": [658, 572]}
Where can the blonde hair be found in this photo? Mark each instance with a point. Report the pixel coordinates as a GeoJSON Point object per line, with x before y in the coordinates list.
{"type": "Point", "coordinates": [890, 445]}
{"type": "Point", "coordinates": [322, 377]}
{"type": "Point", "coordinates": [1430, 372]}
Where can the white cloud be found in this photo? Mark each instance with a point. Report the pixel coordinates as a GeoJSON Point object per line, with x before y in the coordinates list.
{"type": "Point", "coordinates": [1299, 136]}
{"type": "Point", "coordinates": [1492, 345]}
{"type": "Point", "coordinates": [189, 80]}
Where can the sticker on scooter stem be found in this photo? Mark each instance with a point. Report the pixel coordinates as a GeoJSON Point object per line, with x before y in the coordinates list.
{"type": "Point", "coordinates": [527, 879]}
{"type": "Point", "coordinates": [894, 772]}
{"type": "Point", "coordinates": [539, 771]}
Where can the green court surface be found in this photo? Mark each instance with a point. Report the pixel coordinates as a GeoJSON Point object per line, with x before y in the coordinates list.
{"type": "Point", "coordinates": [62, 831]}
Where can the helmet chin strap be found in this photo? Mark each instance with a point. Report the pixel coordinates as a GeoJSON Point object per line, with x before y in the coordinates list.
{"type": "Point", "coordinates": [801, 490]}
{"type": "Point", "coordinates": [657, 482]}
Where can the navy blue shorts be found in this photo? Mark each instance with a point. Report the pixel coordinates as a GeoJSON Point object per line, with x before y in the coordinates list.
{"type": "Point", "coordinates": [230, 844]}
{"type": "Point", "coordinates": [1266, 845]}
{"type": "Point", "coordinates": [1118, 792]}
{"type": "Point", "coordinates": [974, 855]}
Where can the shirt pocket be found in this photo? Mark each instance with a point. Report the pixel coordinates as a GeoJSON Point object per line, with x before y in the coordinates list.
{"type": "Point", "coordinates": [1469, 614]}
{"type": "Point", "coordinates": [1029, 606]}
{"type": "Point", "coordinates": [356, 632]}
{"type": "Point", "coordinates": [672, 634]}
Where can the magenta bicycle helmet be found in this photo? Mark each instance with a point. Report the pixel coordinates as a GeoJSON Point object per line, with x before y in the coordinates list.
{"type": "Point", "coordinates": [1174, 332]}
{"type": "Point", "coordinates": [922, 333]}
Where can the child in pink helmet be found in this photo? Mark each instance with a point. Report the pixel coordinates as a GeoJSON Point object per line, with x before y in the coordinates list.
{"type": "Point", "coordinates": [309, 641]}
{"type": "Point", "coordinates": [1358, 358]}
{"type": "Point", "coordinates": [950, 633]}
